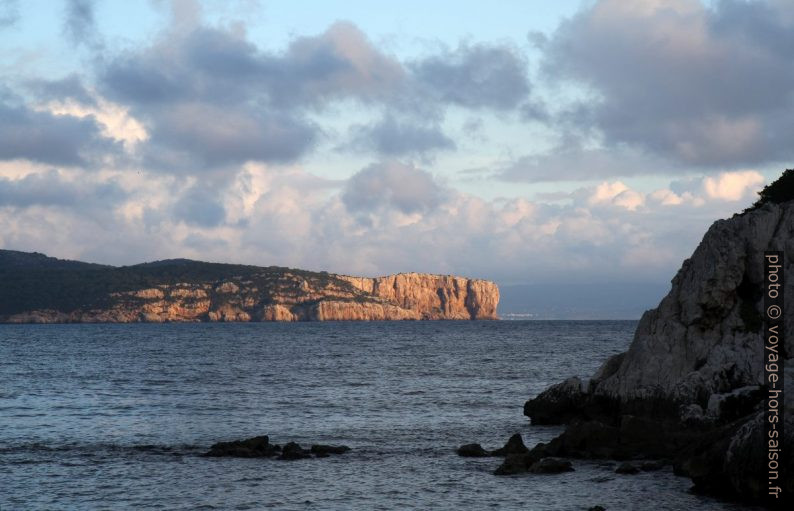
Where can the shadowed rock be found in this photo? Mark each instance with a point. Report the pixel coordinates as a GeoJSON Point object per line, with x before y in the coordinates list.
{"type": "Point", "coordinates": [690, 388]}
{"type": "Point", "coordinates": [627, 468]}
{"type": "Point", "coordinates": [256, 447]}
{"type": "Point", "coordinates": [514, 445]}
{"type": "Point", "coordinates": [472, 451]}
{"type": "Point", "coordinates": [293, 451]}
{"type": "Point", "coordinates": [516, 464]}
{"type": "Point", "coordinates": [551, 466]}
{"type": "Point", "coordinates": [260, 447]}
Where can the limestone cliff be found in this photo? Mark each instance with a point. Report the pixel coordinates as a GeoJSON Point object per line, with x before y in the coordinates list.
{"type": "Point", "coordinates": [690, 386]}
{"type": "Point", "coordinates": [434, 296]}
{"type": "Point", "coordinates": [55, 291]}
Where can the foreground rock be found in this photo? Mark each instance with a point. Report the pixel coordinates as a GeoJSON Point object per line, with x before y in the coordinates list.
{"type": "Point", "coordinates": [40, 289]}
{"type": "Point", "coordinates": [690, 387]}
{"type": "Point", "coordinates": [260, 447]}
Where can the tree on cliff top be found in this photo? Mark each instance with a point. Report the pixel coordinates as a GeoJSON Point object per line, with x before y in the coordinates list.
{"type": "Point", "coordinates": [776, 192]}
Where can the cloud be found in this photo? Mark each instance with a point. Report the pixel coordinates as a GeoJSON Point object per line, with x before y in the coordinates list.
{"type": "Point", "coordinates": [70, 88]}
{"type": "Point", "coordinates": [478, 76]}
{"type": "Point", "coordinates": [386, 218]}
{"type": "Point", "coordinates": [392, 185]}
{"type": "Point", "coordinates": [9, 13]}
{"type": "Point", "coordinates": [732, 186]}
{"type": "Point", "coordinates": [618, 194]}
{"type": "Point", "coordinates": [703, 86]}
{"type": "Point", "coordinates": [51, 188]}
{"type": "Point", "coordinates": [572, 162]}
{"type": "Point", "coordinates": [221, 66]}
{"type": "Point", "coordinates": [191, 136]}
{"type": "Point", "coordinates": [200, 206]}
{"type": "Point", "coordinates": [79, 24]}
{"type": "Point", "coordinates": [195, 85]}
{"type": "Point", "coordinates": [392, 137]}
{"type": "Point", "coordinates": [228, 102]}
{"type": "Point", "coordinates": [45, 137]}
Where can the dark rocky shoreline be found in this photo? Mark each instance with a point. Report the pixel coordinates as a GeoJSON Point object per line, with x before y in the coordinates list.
{"type": "Point", "coordinates": [690, 389]}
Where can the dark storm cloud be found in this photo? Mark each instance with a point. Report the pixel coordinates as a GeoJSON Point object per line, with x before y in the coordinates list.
{"type": "Point", "coordinates": [476, 77]}
{"type": "Point", "coordinates": [200, 207]}
{"type": "Point", "coordinates": [393, 137]}
{"type": "Point", "coordinates": [9, 12]}
{"type": "Point", "coordinates": [392, 185]}
{"type": "Point", "coordinates": [79, 25]}
{"type": "Point", "coordinates": [703, 86]}
{"type": "Point", "coordinates": [47, 138]}
{"type": "Point", "coordinates": [51, 189]}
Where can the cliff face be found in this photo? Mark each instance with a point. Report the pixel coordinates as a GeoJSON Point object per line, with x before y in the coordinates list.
{"type": "Point", "coordinates": [704, 338]}
{"type": "Point", "coordinates": [434, 296]}
{"type": "Point", "coordinates": [690, 386]}
{"type": "Point", "coordinates": [236, 293]}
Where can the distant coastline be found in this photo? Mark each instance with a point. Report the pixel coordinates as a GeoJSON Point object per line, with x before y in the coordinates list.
{"type": "Point", "coordinates": [41, 289]}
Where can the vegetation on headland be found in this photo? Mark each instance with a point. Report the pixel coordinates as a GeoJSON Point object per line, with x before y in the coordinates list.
{"type": "Point", "coordinates": [779, 191]}
{"type": "Point", "coordinates": [33, 281]}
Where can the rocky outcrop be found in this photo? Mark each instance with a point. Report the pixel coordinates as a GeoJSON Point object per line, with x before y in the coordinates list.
{"type": "Point", "coordinates": [690, 386]}
{"type": "Point", "coordinates": [235, 293]}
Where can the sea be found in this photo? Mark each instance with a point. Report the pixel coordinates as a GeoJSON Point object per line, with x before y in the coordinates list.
{"type": "Point", "coordinates": [100, 416]}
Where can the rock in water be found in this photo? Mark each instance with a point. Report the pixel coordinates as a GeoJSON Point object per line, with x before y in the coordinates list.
{"type": "Point", "coordinates": [293, 451]}
{"type": "Point", "coordinates": [551, 466]}
{"type": "Point", "coordinates": [256, 447]}
{"type": "Point", "coordinates": [514, 445]}
{"type": "Point", "coordinates": [627, 468]}
{"type": "Point", "coordinates": [472, 451]}
{"type": "Point", "coordinates": [260, 447]}
{"type": "Point", "coordinates": [689, 388]}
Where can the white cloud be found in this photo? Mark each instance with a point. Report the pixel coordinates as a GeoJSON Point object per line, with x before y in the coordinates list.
{"type": "Point", "coordinates": [732, 186]}
{"type": "Point", "coordinates": [114, 119]}
{"type": "Point", "coordinates": [287, 216]}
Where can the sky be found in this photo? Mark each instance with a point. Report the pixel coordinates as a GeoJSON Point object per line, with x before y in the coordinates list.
{"type": "Point", "coordinates": [543, 145]}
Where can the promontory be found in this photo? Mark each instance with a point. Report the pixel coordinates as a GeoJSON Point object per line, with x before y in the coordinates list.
{"type": "Point", "coordinates": [40, 289]}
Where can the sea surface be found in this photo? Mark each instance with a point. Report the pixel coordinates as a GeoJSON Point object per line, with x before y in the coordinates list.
{"type": "Point", "coordinates": [117, 416]}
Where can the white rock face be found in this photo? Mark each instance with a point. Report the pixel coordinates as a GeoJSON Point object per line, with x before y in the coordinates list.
{"type": "Point", "coordinates": [698, 342]}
